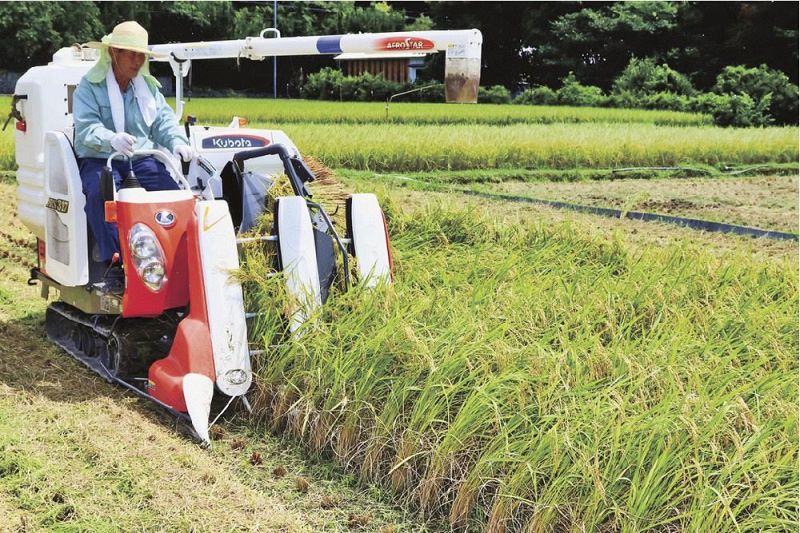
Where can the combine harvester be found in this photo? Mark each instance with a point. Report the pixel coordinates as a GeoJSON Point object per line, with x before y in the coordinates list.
{"type": "Point", "coordinates": [175, 325]}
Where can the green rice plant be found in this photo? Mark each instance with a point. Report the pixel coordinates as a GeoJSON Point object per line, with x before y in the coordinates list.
{"type": "Point", "coordinates": [220, 110]}
{"type": "Point", "coordinates": [484, 142]}
{"type": "Point", "coordinates": [558, 146]}
{"type": "Point", "coordinates": [7, 156]}
{"type": "Point", "coordinates": [283, 111]}
{"type": "Point", "coordinates": [530, 378]}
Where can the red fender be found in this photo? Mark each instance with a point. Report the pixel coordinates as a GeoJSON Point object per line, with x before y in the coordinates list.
{"type": "Point", "coordinates": [191, 351]}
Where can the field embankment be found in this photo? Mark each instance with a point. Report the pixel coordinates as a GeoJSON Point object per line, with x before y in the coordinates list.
{"type": "Point", "coordinates": [530, 377]}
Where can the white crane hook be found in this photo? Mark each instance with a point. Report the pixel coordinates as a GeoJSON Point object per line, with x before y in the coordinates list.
{"type": "Point", "coordinates": [276, 31]}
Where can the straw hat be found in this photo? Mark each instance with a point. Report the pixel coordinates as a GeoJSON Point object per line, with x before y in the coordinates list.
{"type": "Point", "coordinates": [127, 35]}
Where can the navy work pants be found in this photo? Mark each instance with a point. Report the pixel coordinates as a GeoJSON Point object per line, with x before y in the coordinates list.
{"type": "Point", "coordinates": [153, 176]}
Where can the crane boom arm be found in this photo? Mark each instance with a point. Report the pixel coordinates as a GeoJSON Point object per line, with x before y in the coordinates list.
{"type": "Point", "coordinates": [466, 43]}
{"type": "Point", "coordinates": [462, 49]}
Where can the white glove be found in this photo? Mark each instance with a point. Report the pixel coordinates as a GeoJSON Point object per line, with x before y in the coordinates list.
{"type": "Point", "coordinates": [184, 152]}
{"type": "Point", "coordinates": [122, 142]}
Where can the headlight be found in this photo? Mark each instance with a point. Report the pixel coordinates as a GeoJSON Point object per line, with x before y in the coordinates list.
{"type": "Point", "coordinates": [152, 273]}
{"type": "Point", "coordinates": [148, 256]}
{"type": "Point", "coordinates": [143, 245]}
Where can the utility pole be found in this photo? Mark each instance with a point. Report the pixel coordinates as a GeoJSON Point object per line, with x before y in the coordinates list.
{"type": "Point", "coordinates": [275, 58]}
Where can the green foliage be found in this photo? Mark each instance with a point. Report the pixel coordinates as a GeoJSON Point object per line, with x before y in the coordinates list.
{"type": "Point", "coordinates": [433, 93]}
{"type": "Point", "coordinates": [368, 87]}
{"type": "Point", "coordinates": [30, 32]}
{"type": "Point", "coordinates": [112, 13]}
{"type": "Point", "coordinates": [540, 95]}
{"type": "Point", "coordinates": [572, 92]}
{"type": "Point", "coordinates": [648, 85]}
{"type": "Point", "coordinates": [659, 100]}
{"type": "Point", "coordinates": [644, 76]}
{"type": "Point", "coordinates": [188, 21]}
{"type": "Point", "coordinates": [332, 84]}
{"type": "Point", "coordinates": [666, 100]}
{"type": "Point", "coordinates": [378, 17]}
{"type": "Point", "coordinates": [597, 39]}
{"type": "Point", "coordinates": [644, 18]}
{"type": "Point", "coordinates": [759, 83]}
{"type": "Point", "coordinates": [252, 19]}
{"type": "Point", "coordinates": [533, 43]}
{"type": "Point", "coordinates": [324, 85]}
{"type": "Point", "coordinates": [421, 23]}
{"type": "Point", "coordinates": [737, 110]}
{"type": "Point", "coordinates": [496, 94]}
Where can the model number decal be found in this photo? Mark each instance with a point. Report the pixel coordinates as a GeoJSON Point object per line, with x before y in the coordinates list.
{"type": "Point", "coordinates": [61, 206]}
{"type": "Point", "coordinates": [234, 141]}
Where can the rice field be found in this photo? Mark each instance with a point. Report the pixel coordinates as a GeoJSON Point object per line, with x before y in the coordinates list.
{"type": "Point", "coordinates": [268, 111]}
{"type": "Point", "coordinates": [441, 137]}
{"type": "Point", "coordinates": [405, 147]}
{"type": "Point", "coordinates": [527, 377]}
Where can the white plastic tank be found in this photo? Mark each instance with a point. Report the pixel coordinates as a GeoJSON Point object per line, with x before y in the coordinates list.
{"type": "Point", "coordinates": [44, 100]}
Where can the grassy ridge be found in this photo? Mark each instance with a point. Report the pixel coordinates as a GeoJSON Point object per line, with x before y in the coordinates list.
{"type": "Point", "coordinates": [528, 378]}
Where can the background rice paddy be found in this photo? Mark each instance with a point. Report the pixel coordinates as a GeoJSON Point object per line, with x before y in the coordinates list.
{"type": "Point", "coordinates": [428, 137]}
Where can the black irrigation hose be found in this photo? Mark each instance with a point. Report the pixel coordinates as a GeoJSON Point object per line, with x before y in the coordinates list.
{"type": "Point", "coordinates": [727, 171]}
{"type": "Point", "coordinates": [692, 223]}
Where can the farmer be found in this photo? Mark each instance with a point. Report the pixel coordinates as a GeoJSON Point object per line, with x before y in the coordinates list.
{"type": "Point", "coordinates": [117, 108]}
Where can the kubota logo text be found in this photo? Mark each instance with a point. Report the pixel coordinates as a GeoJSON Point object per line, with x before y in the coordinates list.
{"type": "Point", "coordinates": [404, 43]}
{"type": "Point", "coordinates": [234, 141]}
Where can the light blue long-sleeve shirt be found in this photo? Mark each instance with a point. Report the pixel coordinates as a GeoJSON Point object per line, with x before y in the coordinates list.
{"type": "Point", "coordinates": [94, 124]}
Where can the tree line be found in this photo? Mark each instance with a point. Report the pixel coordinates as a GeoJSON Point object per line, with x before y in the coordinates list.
{"type": "Point", "coordinates": [533, 46]}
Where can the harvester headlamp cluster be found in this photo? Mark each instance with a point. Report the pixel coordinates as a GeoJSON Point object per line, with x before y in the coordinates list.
{"type": "Point", "coordinates": [148, 256]}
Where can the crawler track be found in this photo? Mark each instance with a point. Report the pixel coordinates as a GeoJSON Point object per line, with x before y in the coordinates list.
{"type": "Point", "coordinates": [119, 350]}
